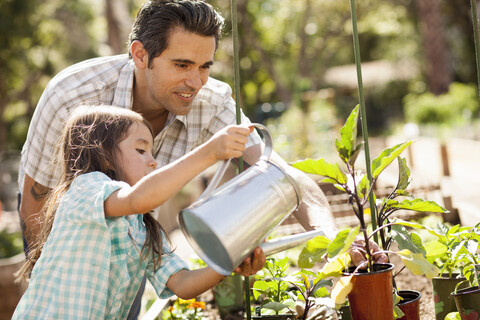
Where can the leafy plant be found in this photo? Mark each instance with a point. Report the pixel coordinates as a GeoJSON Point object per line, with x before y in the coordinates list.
{"type": "Point", "coordinates": [309, 287]}
{"type": "Point", "coordinates": [455, 250]}
{"type": "Point", "coordinates": [281, 291]}
{"type": "Point", "coordinates": [359, 188]}
{"type": "Point", "coordinates": [273, 288]}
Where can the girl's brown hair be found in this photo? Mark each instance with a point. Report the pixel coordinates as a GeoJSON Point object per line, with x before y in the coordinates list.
{"type": "Point", "coordinates": [89, 143]}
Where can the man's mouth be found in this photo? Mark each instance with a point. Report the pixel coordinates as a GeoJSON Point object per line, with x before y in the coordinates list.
{"type": "Point", "coordinates": [186, 95]}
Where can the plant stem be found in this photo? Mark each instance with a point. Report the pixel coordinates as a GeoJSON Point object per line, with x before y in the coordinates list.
{"type": "Point", "coordinates": [363, 113]}
{"type": "Point", "coordinates": [475, 34]}
{"type": "Point", "coordinates": [236, 80]}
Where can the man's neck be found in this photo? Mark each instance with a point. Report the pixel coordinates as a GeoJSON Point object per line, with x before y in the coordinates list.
{"type": "Point", "coordinates": [156, 116]}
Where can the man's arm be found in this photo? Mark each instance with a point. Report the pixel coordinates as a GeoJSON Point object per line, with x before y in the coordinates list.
{"type": "Point", "coordinates": [33, 198]}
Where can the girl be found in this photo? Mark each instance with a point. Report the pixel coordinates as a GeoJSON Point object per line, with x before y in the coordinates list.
{"type": "Point", "coordinates": [98, 239]}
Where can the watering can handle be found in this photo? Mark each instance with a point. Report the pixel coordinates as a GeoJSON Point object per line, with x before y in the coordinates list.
{"type": "Point", "coordinates": [267, 151]}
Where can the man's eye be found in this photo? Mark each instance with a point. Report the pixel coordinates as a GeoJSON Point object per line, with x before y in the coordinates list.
{"type": "Point", "coordinates": [181, 65]}
{"type": "Point", "coordinates": [141, 151]}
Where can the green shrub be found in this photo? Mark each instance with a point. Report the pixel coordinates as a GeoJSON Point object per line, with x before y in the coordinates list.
{"type": "Point", "coordinates": [10, 244]}
{"type": "Point", "coordinates": [458, 105]}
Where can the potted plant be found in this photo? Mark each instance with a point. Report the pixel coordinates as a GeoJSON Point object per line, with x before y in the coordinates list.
{"type": "Point", "coordinates": [271, 286]}
{"type": "Point", "coordinates": [454, 252]}
{"type": "Point", "coordinates": [359, 189]}
{"type": "Point", "coordinates": [302, 291]}
{"type": "Point", "coordinates": [467, 299]}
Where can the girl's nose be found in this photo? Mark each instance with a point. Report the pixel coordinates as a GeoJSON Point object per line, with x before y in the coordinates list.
{"type": "Point", "coordinates": [153, 163]}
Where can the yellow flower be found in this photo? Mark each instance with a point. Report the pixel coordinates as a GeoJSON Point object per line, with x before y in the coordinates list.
{"type": "Point", "coordinates": [181, 301]}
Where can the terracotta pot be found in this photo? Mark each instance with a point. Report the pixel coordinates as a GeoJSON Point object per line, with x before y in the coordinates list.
{"type": "Point", "coordinates": [10, 292]}
{"type": "Point", "coordinates": [467, 301]}
{"type": "Point", "coordinates": [443, 286]}
{"type": "Point", "coordinates": [372, 295]}
{"type": "Point", "coordinates": [410, 305]}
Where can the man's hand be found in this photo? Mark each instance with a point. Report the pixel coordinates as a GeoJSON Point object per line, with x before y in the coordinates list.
{"type": "Point", "coordinates": [252, 264]}
{"type": "Point", "coordinates": [358, 253]}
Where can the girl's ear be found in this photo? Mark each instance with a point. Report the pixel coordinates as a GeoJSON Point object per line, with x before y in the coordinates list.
{"type": "Point", "coordinates": [139, 54]}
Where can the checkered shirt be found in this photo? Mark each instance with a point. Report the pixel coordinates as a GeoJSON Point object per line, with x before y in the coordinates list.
{"type": "Point", "coordinates": [90, 267]}
{"type": "Point", "coordinates": [109, 81]}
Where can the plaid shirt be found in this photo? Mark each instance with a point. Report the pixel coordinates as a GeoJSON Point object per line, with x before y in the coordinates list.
{"type": "Point", "coordinates": [90, 267]}
{"type": "Point", "coordinates": [109, 80]}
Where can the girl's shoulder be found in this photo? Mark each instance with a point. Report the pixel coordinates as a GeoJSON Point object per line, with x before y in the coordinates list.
{"type": "Point", "coordinates": [85, 198]}
{"type": "Point", "coordinates": [93, 185]}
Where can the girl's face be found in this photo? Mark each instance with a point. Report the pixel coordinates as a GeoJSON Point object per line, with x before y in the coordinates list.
{"type": "Point", "coordinates": [135, 154]}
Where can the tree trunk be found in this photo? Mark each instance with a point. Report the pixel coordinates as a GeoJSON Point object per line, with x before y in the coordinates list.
{"type": "Point", "coordinates": [439, 72]}
{"type": "Point", "coordinates": [119, 24]}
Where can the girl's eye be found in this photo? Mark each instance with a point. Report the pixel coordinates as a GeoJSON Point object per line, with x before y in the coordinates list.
{"type": "Point", "coordinates": [141, 151]}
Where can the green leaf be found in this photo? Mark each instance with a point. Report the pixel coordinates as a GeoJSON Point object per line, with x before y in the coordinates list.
{"type": "Point", "coordinates": [321, 284]}
{"type": "Point", "coordinates": [342, 241]}
{"type": "Point", "coordinates": [259, 287]}
{"type": "Point", "coordinates": [363, 187]}
{"type": "Point", "coordinates": [403, 174]}
{"type": "Point", "coordinates": [322, 168]}
{"type": "Point", "coordinates": [348, 136]}
{"type": "Point", "coordinates": [418, 264]}
{"type": "Point", "coordinates": [453, 316]}
{"type": "Point", "coordinates": [355, 154]}
{"type": "Point", "coordinates": [415, 205]}
{"type": "Point", "coordinates": [275, 306]}
{"type": "Point", "coordinates": [407, 239]}
{"type": "Point", "coordinates": [313, 251]}
{"type": "Point", "coordinates": [386, 157]}
{"type": "Point", "coordinates": [435, 249]}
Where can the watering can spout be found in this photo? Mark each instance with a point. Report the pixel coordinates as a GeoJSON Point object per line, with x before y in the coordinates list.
{"type": "Point", "coordinates": [281, 244]}
{"type": "Point", "coordinates": [225, 224]}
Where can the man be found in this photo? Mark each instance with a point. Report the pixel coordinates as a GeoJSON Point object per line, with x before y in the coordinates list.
{"type": "Point", "coordinates": [165, 77]}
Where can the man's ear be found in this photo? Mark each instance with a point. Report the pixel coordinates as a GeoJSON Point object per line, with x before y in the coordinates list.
{"type": "Point", "coordinates": [139, 54]}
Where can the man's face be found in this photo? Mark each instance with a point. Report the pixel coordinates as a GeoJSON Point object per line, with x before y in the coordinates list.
{"type": "Point", "coordinates": [176, 76]}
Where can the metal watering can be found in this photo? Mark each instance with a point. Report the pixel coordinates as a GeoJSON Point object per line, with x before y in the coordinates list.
{"type": "Point", "coordinates": [224, 225]}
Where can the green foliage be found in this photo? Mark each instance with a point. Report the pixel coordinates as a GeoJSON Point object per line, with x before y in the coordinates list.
{"type": "Point", "coordinates": [272, 286]}
{"type": "Point", "coordinates": [10, 244]}
{"type": "Point", "coordinates": [458, 105]}
{"type": "Point", "coordinates": [455, 250]}
{"type": "Point", "coordinates": [39, 38]}
{"type": "Point", "coordinates": [359, 189]}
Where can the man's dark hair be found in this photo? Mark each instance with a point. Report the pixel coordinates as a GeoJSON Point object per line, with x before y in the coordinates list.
{"type": "Point", "coordinates": [157, 18]}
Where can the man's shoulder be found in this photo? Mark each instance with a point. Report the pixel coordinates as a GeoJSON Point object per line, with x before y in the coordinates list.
{"type": "Point", "coordinates": [91, 72]}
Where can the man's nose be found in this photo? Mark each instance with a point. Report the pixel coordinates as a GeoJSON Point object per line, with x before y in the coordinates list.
{"type": "Point", "coordinates": [194, 80]}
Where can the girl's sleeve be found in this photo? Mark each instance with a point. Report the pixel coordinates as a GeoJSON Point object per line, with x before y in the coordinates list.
{"type": "Point", "coordinates": [170, 264]}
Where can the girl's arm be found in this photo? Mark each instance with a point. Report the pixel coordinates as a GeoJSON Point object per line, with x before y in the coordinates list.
{"type": "Point", "coordinates": [188, 284]}
{"type": "Point", "coordinates": [157, 187]}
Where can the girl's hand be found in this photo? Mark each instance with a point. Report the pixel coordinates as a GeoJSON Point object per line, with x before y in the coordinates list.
{"type": "Point", "coordinates": [229, 142]}
{"type": "Point", "coordinates": [252, 264]}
